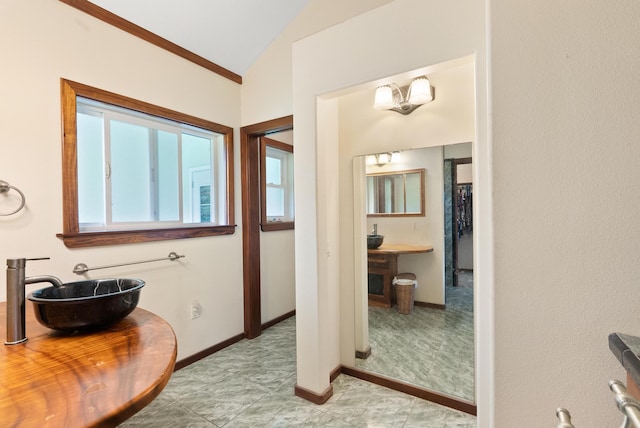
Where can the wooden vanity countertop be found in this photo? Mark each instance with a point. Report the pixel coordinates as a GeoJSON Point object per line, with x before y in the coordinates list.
{"type": "Point", "coordinates": [97, 379]}
{"type": "Point", "coordinates": [401, 249]}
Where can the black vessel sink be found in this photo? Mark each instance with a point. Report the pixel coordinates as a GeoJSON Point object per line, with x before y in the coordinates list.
{"type": "Point", "coordinates": [374, 241]}
{"type": "Point", "coordinates": [86, 305]}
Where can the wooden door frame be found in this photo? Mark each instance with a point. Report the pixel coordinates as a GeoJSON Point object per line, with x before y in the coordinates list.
{"type": "Point", "coordinates": [250, 183]}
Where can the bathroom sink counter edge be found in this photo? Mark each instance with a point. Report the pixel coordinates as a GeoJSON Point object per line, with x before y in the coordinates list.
{"type": "Point", "coordinates": [96, 379]}
{"type": "Point", "coordinates": [400, 249]}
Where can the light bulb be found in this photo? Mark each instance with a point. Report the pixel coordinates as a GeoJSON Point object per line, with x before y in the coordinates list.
{"type": "Point", "coordinates": [384, 98]}
{"type": "Point", "coordinates": [420, 91]}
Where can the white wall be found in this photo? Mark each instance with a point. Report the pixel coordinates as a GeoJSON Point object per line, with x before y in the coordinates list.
{"type": "Point", "coordinates": [457, 151]}
{"type": "Point", "coordinates": [446, 120]}
{"type": "Point", "coordinates": [45, 41]}
{"type": "Point", "coordinates": [277, 262]}
{"type": "Point", "coordinates": [565, 167]}
{"type": "Point", "coordinates": [42, 41]}
{"type": "Point", "coordinates": [266, 86]}
{"type": "Point", "coordinates": [564, 124]}
{"type": "Point", "coordinates": [266, 94]}
{"type": "Point", "coordinates": [277, 276]}
{"type": "Point", "coordinates": [564, 119]}
{"type": "Point", "coordinates": [323, 64]}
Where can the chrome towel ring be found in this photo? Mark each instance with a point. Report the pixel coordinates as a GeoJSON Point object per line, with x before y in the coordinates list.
{"type": "Point", "coordinates": [4, 188]}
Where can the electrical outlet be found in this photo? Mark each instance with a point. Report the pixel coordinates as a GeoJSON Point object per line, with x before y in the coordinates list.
{"type": "Point", "coordinates": [195, 309]}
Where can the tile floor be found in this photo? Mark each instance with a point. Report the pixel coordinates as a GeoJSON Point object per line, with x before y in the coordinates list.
{"type": "Point", "coordinates": [433, 348]}
{"type": "Point", "coordinates": [251, 384]}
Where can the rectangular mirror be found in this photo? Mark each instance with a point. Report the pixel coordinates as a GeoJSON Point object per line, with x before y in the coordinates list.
{"type": "Point", "coordinates": [396, 193]}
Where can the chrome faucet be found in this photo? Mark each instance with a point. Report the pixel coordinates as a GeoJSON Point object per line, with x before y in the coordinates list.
{"type": "Point", "coordinates": [374, 231]}
{"type": "Point", "coordinates": [16, 297]}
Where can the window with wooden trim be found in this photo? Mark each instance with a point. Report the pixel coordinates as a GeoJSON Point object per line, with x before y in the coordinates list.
{"type": "Point", "coordinates": [135, 172]}
{"type": "Point", "coordinates": [276, 185]}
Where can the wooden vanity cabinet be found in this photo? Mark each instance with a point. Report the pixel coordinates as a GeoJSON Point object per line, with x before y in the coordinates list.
{"type": "Point", "coordinates": [382, 268]}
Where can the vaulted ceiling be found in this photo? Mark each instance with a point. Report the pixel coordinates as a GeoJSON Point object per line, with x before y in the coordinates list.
{"type": "Point", "coordinates": [229, 33]}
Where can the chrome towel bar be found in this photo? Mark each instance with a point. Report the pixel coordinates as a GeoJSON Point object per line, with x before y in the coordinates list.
{"type": "Point", "coordinates": [82, 268]}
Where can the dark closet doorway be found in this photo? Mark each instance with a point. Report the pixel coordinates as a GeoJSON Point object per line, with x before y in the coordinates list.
{"type": "Point", "coordinates": [462, 199]}
{"type": "Point", "coordinates": [250, 180]}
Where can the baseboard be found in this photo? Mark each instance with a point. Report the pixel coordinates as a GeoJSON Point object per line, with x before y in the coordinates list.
{"type": "Point", "coordinates": [335, 373]}
{"type": "Point", "coordinates": [312, 396]}
{"type": "Point", "coordinates": [278, 319]}
{"type": "Point", "coordinates": [363, 355]}
{"type": "Point", "coordinates": [407, 388]}
{"type": "Point", "coordinates": [220, 346]}
{"type": "Point", "coordinates": [429, 305]}
{"type": "Point", "coordinates": [206, 352]}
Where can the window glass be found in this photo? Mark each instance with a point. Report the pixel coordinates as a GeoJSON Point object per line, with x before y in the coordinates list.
{"type": "Point", "coordinates": [279, 184]}
{"type": "Point", "coordinates": [91, 192]}
{"type": "Point", "coordinates": [129, 174]}
{"type": "Point", "coordinates": [275, 203]}
{"type": "Point", "coordinates": [168, 177]}
{"type": "Point", "coordinates": [131, 166]}
{"type": "Point", "coordinates": [155, 171]}
{"type": "Point", "coordinates": [276, 165]}
{"type": "Point", "coordinates": [197, 180]}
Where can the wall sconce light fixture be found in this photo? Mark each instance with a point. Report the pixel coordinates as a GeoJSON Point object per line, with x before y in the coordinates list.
{"type": "Point", "coordinates": [404, 99]}
{"type": "Point", "coordinates": [383, 158]}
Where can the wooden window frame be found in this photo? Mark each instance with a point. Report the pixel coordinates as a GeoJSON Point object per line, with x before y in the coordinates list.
{"type": "Point", "coordinates": [265, 225]}
{"type": "Point", "coordinates": [72, 236]}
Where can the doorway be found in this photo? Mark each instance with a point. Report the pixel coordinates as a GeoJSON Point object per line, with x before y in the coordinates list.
{"type": "Point", "coordinates": [250, 180]}
{"type": "Point", "coordinates": [458, 201]}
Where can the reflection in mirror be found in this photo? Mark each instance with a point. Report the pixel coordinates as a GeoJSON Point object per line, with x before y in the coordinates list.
{"type": "Point", "coordinates": [433, 346]}
{"type": "Point", "coordinates": [398, 193]}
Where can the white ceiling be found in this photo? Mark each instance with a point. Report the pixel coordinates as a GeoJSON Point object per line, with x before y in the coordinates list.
{"type": "Point", "coordinates": [229, 33]}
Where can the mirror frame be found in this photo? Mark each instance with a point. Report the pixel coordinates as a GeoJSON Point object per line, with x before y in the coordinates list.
{"type": "Point", "coordinates": [421, 213]}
